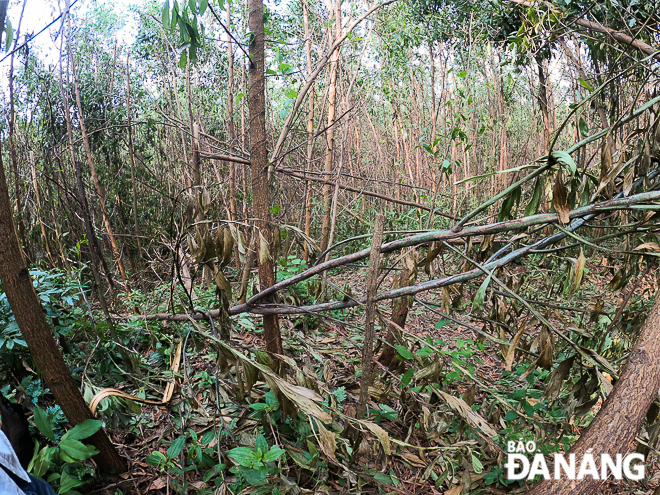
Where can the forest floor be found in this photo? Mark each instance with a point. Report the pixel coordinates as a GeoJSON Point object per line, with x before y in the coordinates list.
{"type": "Point", "coordinates": [434, 448]}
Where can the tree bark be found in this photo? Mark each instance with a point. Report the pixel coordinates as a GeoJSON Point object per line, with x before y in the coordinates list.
{"type": "Point", "coordinates": [29, 315]}
{"type": "Point", "coordinates": [259, 159]}
{"type": "Point", "coordinates": [310, 128]}
{"type": "Point", "coordinates": [330, 133]}
{"type": "Point", "coordinates": [623, 412]}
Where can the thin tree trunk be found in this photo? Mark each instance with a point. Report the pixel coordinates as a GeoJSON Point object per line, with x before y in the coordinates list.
{"type": "Point", "coordinates": [330, 133]}
{"type": "Point", "coordinates": [90, 160]}
{"type": "Point", "coordinates": [37, 197]}
{"type": "Point", "coordinates": [12, 143]}
{"type": "Point", "coordinates": [259, 159]}
{"type": "Point", "coordinates": [310, 127]}
{"type": "Point", "coordinates": [131, 153]}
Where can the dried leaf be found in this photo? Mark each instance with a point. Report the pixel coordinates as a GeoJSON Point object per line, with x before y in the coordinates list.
{"type": "Point", "coordinates": [228, 245]}
{"type": "Point", "coordinates": [648, 246]}
{"type": "Point", "coordinates": [628, 181]}
{"type": "Point", "coordinates": [264, 255]}
{"type": "Point", "coordinates": [546, 349]}
{"type": "Point", "coordinates": [381, 434]}
{"type": "Point", "coordinates": [466, 412]}
{"type": "Point", "coordinates": [605, 383]}
{"type": "Point", "coordinates": [559, 374]}
{"type": "Point", "coordinates": [328, 442]}
{"type": "Point", "coordinates": [206, 201]}
{"type": "Point", "coordinates": [469, 394]}
{"type": "Point", "coordinates": [511, 353]}
{"type": "Point", "coordinates": [579, 270]}
{"type": "Point", "coordinates": [560, 200]}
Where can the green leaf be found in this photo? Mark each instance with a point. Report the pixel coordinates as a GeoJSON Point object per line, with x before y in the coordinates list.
{"type": "Point", "coordinates": [43, 423]}
{"type": "Point", "coordinates": [584, 128]}
{"type": "Point", "coordinates": [273, 454]}
{"type": "Point", "coordinates": [441, 323]}
{"type": "Point", "coordinates": [425, 352]}
{"type": "Point", "coordinates": [481, 293]}
{"type": "Point", "coordinates": [566, 160]}
{"type": "Point", "coordinates": [166, 15]}
{"type": "Point", "coordinates": [83, 430]}
{"type": "Point", "coordinates": [408, 376]}
{"type": "Point", "coordinates": [10, 34]}
{"type": "Point", "coordinates": [68, 483]}
{"type": "Point", "coordinates": [242, 455]}
{"type": "Point", "coordinates": [254, 477]}
{"type": "Point", "coordinates": [72, 450]}
{"type": "Point", "coordinates": [533, 206]}
{"type": "Point", "coordinates": [176, 447]}
{"type": "Point", "coordinates": [202, 6]}
{"type": "Point", "coordinates": [404, 352]}
{"type": "Point", "coordinates": [476, 464]}
{"type": "Point", "coordinates": [156, 459]}
{"type": "Point", "coordinates": [261, 443]}
{"type": "Point", "coordinates": [383, 478]}
{"type": "Point", "coordinates": [509, 202]}
{"type": "Point", "coordinates": [511, 415]}
{"type": "Point", "coordinates": [585, 84]}
{"type": "Point", "coordinates": [183, 60]}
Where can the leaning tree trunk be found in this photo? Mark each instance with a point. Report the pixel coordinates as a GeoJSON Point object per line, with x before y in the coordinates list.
{"type": "Point", "coordinates": [622, 414]}
{"type": "Point", "coordinates": [29, 315]}
{"type": "Point", "coordinates": [259, 159]}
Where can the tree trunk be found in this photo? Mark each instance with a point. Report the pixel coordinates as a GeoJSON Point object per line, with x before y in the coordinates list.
{"type": "Point", "coordinates": [90, 160]}
{"type": "Point", "coordinates": [259, 159]}
{"type": "Point", "coordinates": [12, 142]}
{"type": "Point", "coordinates": [330, 133]}
{"type": "Point", "coordinates": [623, 412]}
{"type": "Point", "coordinates": [29, 315]}
{"type": "Point", "coordinates": [310, 129]}
{"type": "Point", "coordinates": [130, 152]}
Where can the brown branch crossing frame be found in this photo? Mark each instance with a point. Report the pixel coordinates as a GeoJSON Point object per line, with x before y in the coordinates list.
{"type": "Point", "coordinates": [579, 216]}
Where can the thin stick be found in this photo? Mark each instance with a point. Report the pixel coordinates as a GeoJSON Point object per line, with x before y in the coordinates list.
{"type": "Point", "coordinates": [372, 288]}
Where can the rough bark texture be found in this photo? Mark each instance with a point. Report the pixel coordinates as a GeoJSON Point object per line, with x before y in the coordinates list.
{"type": "Point", "coordinates": [24, 302]}
{"type": "Point", "coordinates": [372, 289]}
{"type": "Point", "coordinates": [259, 159]}
{"type": "Point", "coordinates": [330, 133]}
{"type": "Point", "coordinates": [622, 414]}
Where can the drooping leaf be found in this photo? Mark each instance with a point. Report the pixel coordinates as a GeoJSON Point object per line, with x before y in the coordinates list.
{"type": "Point", "coordinates": [566, 160]}
{"type": "Point", "coordinates": [166, 15]}
{"type": "Point", "coordinates": [559, 374]}
{"type": "Point", "coordinates": [43, 423]}
{"type": "Point", "coordinates": [533, 206]}
{"type": "Point", "coordinates": [560, 199]}
{"type": "Point", "coordinates": [579, 271]}
{"type": "Point", "coordinates": [585, 84]}
{"type": "Point", "coordinates": [584, 128]}
{"type": "Point", "coordinates": [328, 442]}
{"type": "Point", "coordinates": [481, 293]}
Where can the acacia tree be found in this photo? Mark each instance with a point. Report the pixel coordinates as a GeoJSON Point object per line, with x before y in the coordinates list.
{"type": "Point", "coordinates": [259, 164]}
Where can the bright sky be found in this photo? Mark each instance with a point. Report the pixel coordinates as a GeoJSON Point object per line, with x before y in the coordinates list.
{"type": "Point", "coordinates": [39, 13]}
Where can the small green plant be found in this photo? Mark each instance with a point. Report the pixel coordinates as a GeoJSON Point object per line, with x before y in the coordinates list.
{"type": "Point", "coordinates": [64, 459]}
{"type": "Point", "coordinates": [255, 464]}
